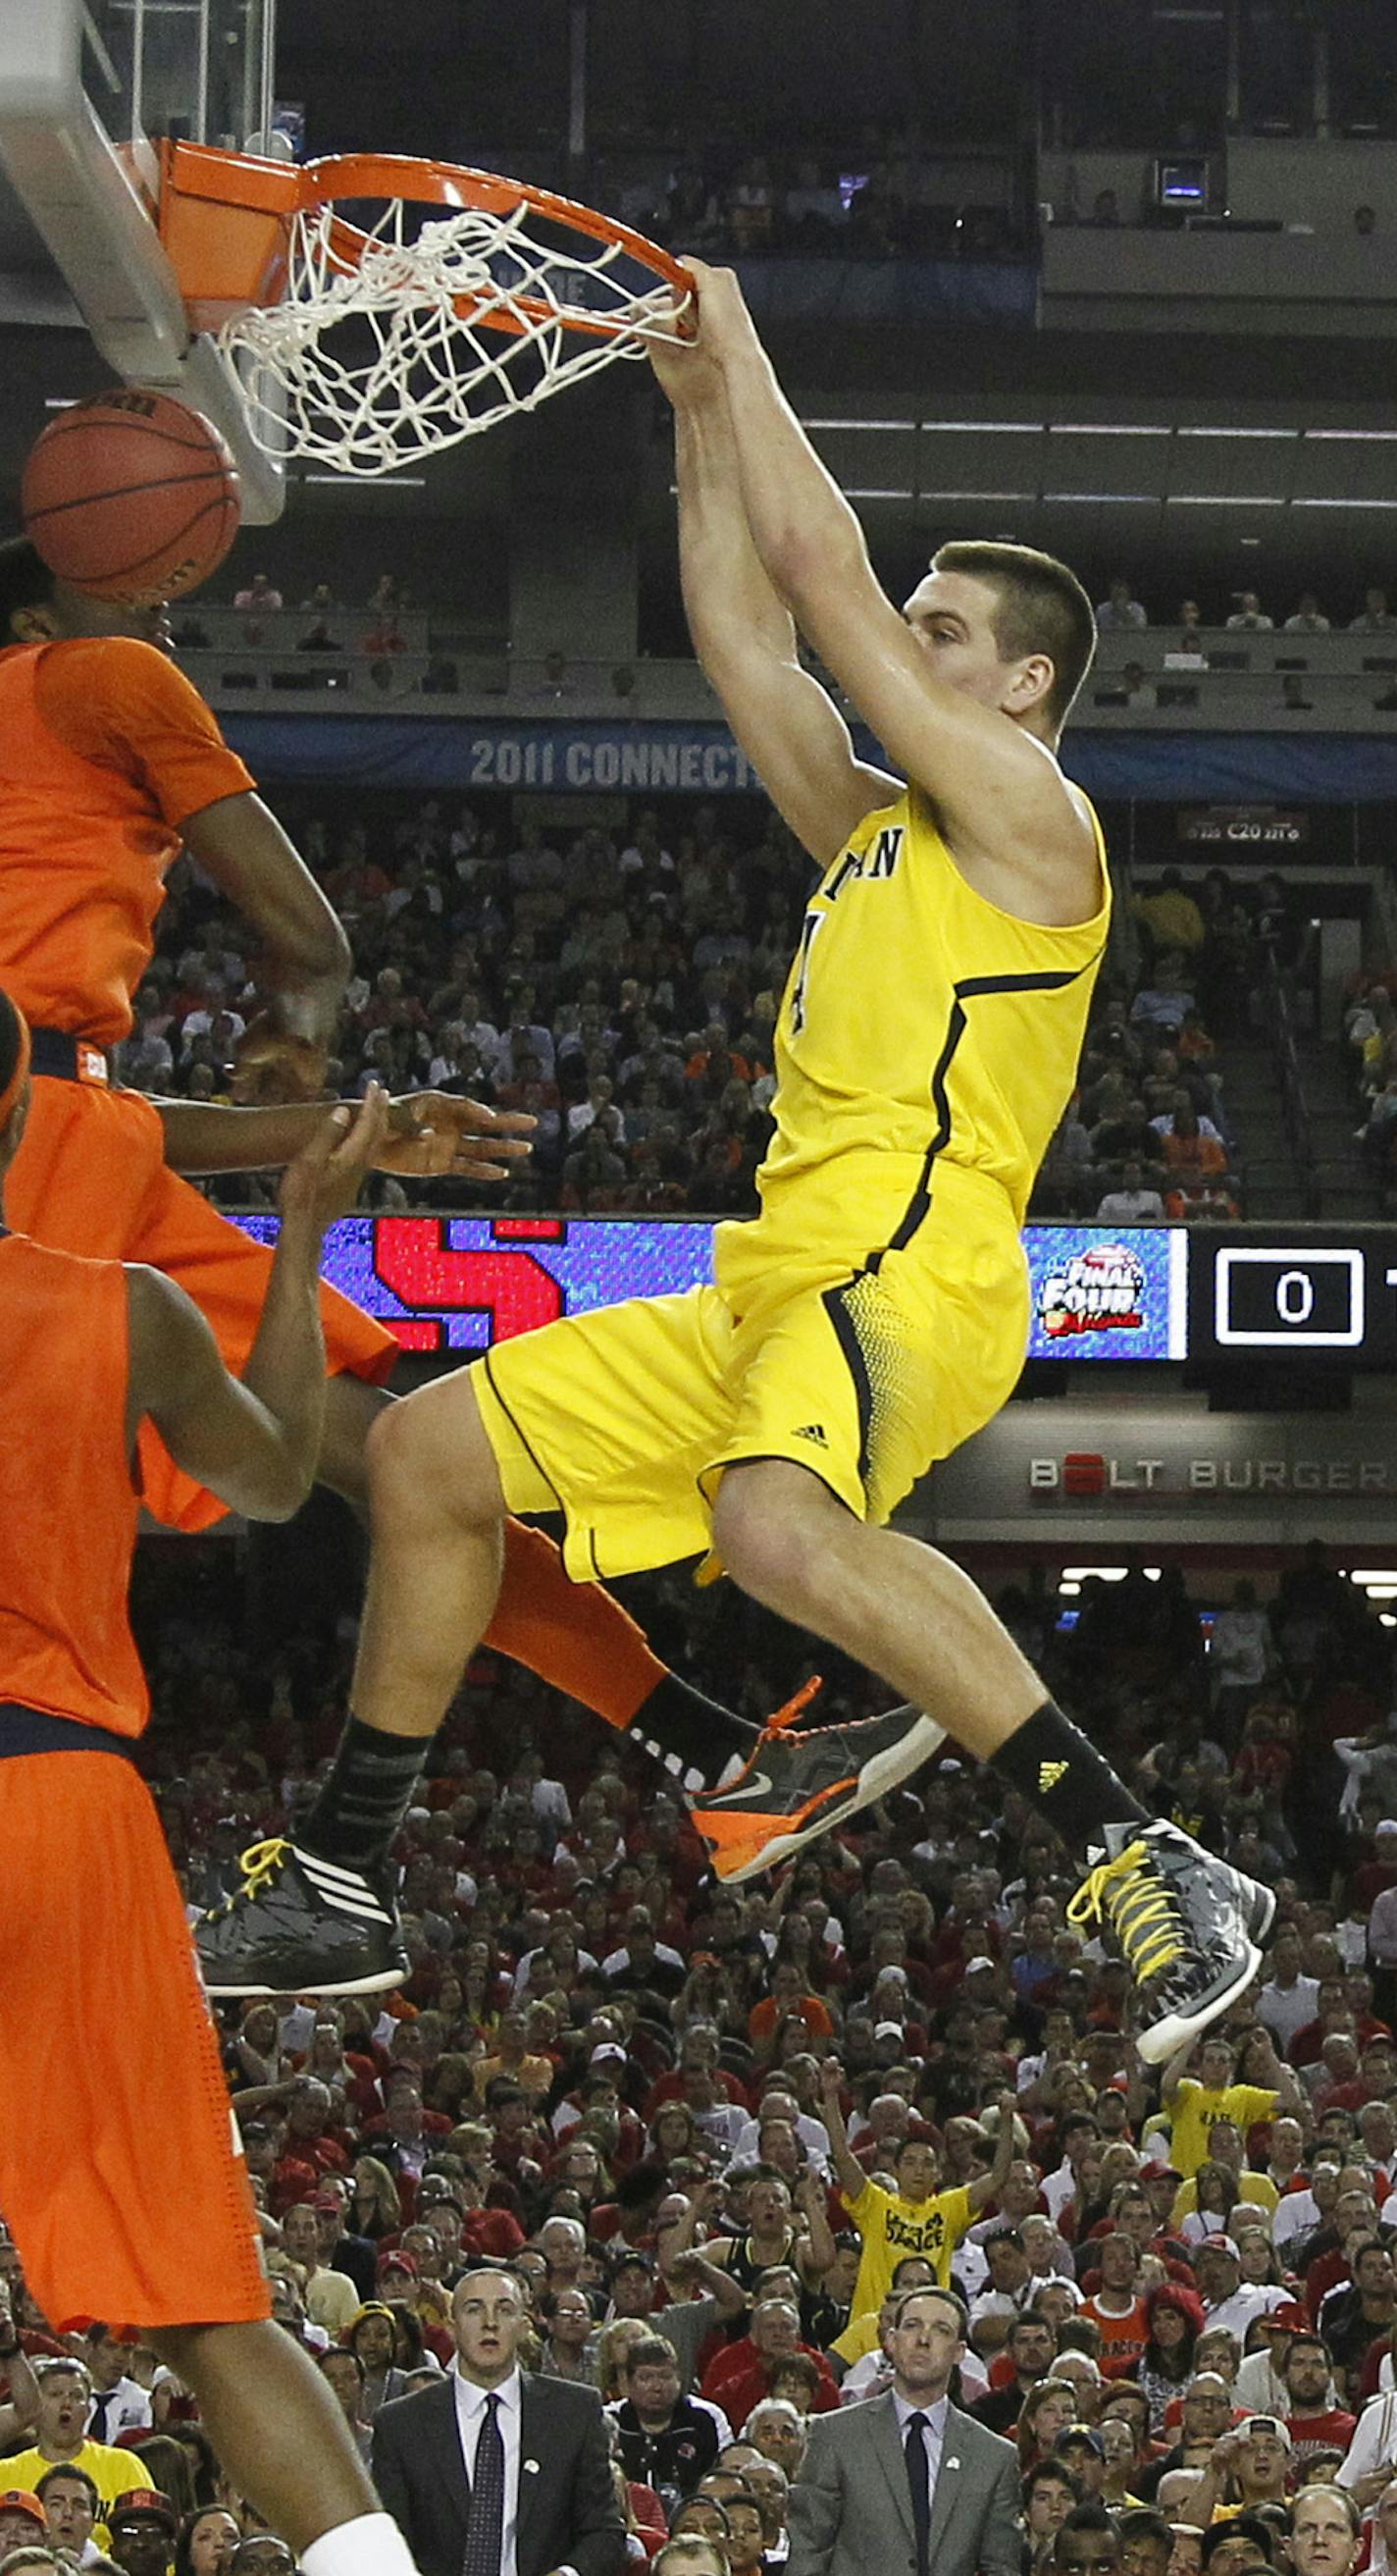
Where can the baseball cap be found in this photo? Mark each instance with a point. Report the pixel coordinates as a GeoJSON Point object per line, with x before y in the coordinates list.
{"type": "Point", "coordinates": [1388, 1825]}
{"type": "Point", "coordinates": [608, 2049]}
{"type": "Point", "coordinates": [1158, 2171]}
{"type": "Point", "coordinates": [1085, 2433]}
{"type": "Point", "coordinates": [142, 2500]}
{"type": "Point", "coordinates": [973, 1966]}
{"type": "Point", "coordinates": [1290, 2315]}
{"type": "Point", "coordinates": [1219, 2245]}
{"type": "Point", "coordinates": [887, 2030]}
{"type": "Point", "coordinates": [1266, 2424]}
{"type": "Point", "coordinates": [23, 2500]}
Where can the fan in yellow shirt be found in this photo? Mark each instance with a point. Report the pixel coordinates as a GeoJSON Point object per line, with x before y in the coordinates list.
{"type": "Point", "coordinates": [65, 2392]}
{"type": "Point", "coordinates": [1195, 2103]}
{"type": "Point", "coordinates": [864, 2333]}
{"type": "Point", "coordinates": [916, 2218]}
{"type": "Point", "coordinates": [1227, 2185]}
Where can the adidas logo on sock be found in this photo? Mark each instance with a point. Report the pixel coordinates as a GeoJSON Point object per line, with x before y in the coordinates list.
{"type": "Point", "coordinates": [1049, 1774]}
{"type": "Point", "coordinates": [811, 1431]}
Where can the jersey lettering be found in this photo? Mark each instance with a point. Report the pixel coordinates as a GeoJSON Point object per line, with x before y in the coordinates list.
{"type": "Point", "coordinates": [808, 929]}
{"type": "Point", "coordinates": [880, 860]}
{"type": "Point", "coordinates": [916, 2235]}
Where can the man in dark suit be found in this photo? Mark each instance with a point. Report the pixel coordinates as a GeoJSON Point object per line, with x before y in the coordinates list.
{"type": "Point", "coordinates": [907, 2483]}
{"type": "Point", "coordinates": [497, 2473]}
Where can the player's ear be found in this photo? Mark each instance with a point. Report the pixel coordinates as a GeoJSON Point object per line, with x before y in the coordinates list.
{"type": "Point", "coordinates": [1031, 683]}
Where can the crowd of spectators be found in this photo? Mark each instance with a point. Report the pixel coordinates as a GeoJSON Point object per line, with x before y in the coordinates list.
{"type": "Point", "coordinates": [1148, 1135]}
{"type": "Point", "coordinates": [712, 2131]}
{"type": "Point", "coordinates": [621, 984]}
{"type": "Point", "coordinates": [1369, 1039]}
{"type": "Point", "coordinates": [877, 199]}
{"type": "Point", "coordinates": [1241, 612]}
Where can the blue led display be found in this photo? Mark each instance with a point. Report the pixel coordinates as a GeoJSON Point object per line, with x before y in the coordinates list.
{"type": "Point", "coordinates": [460, 1283]}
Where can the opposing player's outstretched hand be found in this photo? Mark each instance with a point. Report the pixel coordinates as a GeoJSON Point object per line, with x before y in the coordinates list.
{"type": "Point", "coordinates": [271, 1068]}
{"type": "Point", "coordinates": [433, 1132]}
{"type": "Point", "coordinates": [324, 1180]}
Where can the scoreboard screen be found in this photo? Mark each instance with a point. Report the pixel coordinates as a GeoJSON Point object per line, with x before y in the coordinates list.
{"type": "Point", "coordinates": [1323, 1290]}
{"type": "Point", "coordinates": [1097, 1294]}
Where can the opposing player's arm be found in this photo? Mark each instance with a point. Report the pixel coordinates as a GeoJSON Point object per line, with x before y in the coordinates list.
{"type": "Point", "coordinates": [253, 1441]}
{"type": "Point", "coordinates": [240, 844]}
{"type": "Point", "coordinates": [130, 705]}
{"type": "Point", "coordinates": [745, 638]}
{"type": "Point", "coordinates": [256, 1460]}
{"type": "Point", "coordinates": [426, 1132]}
{"type": "Point", "coordinates": [989, 782]}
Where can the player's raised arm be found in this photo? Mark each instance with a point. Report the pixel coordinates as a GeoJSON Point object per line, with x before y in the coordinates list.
{"type": "Point", "coordinates": [744, 636]}
{"type": "Point", "coordinates": [306, 957]}
{"type": "Point", "coordinates": [129, 707]}
{"type": "Point", "coordinates": [992, 788]}
{"type": "Point", "coordinates": [253, 1441]}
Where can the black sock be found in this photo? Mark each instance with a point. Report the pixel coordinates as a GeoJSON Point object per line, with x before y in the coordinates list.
{"type": "Point", "coordinates": [368, 1793]}
{"type": "Point", "coordinates": [1051, 1763]}
{"type": "Point", "coordinates": [696, 1739]}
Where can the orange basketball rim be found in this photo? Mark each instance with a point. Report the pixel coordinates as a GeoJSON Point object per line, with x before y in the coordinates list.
{"type": "Point", "coordinates": [441, 270]}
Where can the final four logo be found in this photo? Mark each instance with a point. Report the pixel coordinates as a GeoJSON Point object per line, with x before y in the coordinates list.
{"type": "Point", "coordinates": [1099, 1291]}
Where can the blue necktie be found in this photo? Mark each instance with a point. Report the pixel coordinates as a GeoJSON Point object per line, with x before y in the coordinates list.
{"type": "Point", "coordinates": [919, 2480]}
{"type": "Point", "coordinates": [485, 2535]}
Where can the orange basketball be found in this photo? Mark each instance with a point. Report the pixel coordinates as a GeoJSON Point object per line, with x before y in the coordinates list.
{"type": "Point", "coordinates": [131, 496]}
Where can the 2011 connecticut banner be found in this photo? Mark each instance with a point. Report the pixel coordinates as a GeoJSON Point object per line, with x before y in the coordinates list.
{"type": "Point", "coordinates": [461, 1283]}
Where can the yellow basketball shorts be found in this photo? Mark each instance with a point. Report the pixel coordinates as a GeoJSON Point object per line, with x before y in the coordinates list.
{"type": "Point", "coordinates": [624, 1420]}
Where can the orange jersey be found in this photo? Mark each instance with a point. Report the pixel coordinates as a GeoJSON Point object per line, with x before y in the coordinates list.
{"type": "Point", "coordinates": [105, 752]}
{"type": "Point", "coordinates": [68, 1528]}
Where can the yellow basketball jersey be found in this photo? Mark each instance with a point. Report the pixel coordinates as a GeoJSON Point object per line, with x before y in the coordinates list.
{"type": "Point", "coordinates": [922, 1030]}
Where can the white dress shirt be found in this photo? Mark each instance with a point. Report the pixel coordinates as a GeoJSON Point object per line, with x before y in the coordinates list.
{"type": "Point", "coordinates": [1295, 2213]}
{"type": "Point", "coordinates": [470, 2415]}
{"type": "Point", "coordinates": [126, 2408]}
{"type": "Point", "coordinates": [1250, 2299]}
{"type": "Point", "coordinates": [933, 2434]}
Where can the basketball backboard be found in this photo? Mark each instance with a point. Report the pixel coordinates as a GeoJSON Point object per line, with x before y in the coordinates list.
{"type": "Point", "coordinates": [85, 94]}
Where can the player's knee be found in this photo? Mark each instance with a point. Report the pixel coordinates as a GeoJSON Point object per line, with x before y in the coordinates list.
{"type": "Point", "coordinates": [761, 1531]}
{"type": "Point", "coordinates": [428, 1459]}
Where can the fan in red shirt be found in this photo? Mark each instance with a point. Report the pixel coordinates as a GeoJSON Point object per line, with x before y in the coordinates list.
{"type": "Point", "coordinates": [743, 2372]}
{"type": "Point", "coordinates": [1312, 2419]}
{"type": "Point", "coordinates": [1117, 2309]}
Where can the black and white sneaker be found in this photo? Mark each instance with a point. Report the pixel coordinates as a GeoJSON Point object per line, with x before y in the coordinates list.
{"type": "Point", "coordinates": [1189, 1926]}
{"type": "Point", "coordinates": [299, 1925]}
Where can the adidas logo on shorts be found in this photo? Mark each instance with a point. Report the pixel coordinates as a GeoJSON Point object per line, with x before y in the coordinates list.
{"type": "Point", "coordinates": [1049, 1774]}
{"type": "Point", "coordinates": [813, 1431]}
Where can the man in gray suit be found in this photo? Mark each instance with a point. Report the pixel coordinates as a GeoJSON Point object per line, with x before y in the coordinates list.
{"type": "Point", "coordinates": [907, 2484]}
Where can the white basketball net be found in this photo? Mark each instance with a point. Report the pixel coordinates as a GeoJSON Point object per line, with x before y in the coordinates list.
{"type": "Point", "coordinates": [369, 364]}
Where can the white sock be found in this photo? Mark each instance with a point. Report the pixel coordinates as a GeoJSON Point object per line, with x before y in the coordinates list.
{"type": "Point", "coordinates": [370, 2545]}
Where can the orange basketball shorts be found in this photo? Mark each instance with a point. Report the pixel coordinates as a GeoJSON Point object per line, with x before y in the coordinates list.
{"type": "Point", "coordinates": [119, 2178]}
{"type": "Point", "coordinates": [91, 1177]}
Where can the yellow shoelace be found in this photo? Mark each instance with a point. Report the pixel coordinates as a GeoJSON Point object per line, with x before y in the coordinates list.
{"type": "Point", "coordinates": [1139, 1907]}
{"type": "Point", "coordinates": [258, 1863]}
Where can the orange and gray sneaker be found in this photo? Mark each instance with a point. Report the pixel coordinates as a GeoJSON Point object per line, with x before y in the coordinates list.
{"type": "Point", "coordinates": [798, 1783]}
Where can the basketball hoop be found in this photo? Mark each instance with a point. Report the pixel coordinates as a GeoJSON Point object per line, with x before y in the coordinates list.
{"type": "Point", "coordinates": [452, 300]}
